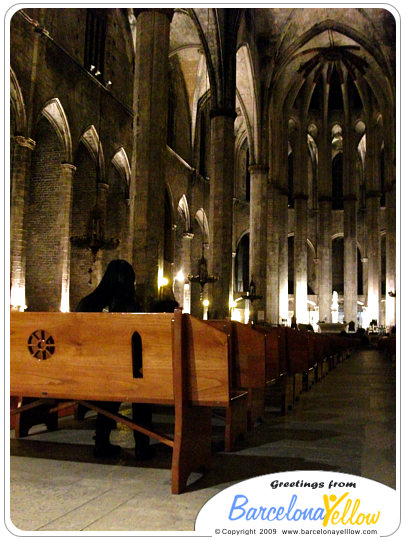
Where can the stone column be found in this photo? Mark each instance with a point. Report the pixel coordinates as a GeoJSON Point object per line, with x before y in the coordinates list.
{"type": "Point", "coordinates": [300, 258]}
{"type": "Point", "coordinates": [325, 215]}
{"type": "Point", "coordinates": [282, 213]}
{"type": "Point", "coordinates": [390, 254]}
{"type": "Point", "coordinates": [272, 262]}
{"type": "Point", "coordinates": [149, 158]}
{"type": "Point", "coordinates": [257, 256]}
{"type": "Point", "coordinates": [350, 189]}
{"type": "Point", "coordinates": [373, 196]}
{"type": "Point", "coordinates": [22, 152]}
{"type": "Point", "coordinates": [390, 223]}
{"type": "Point", "coordinates": [185, 292]}
{"type": "Point", "coordinates": [66, 193]}
{"type": "Point", "coordinates": [300, 227]}
{"type": "Point", "coordinates": [102, 194]}
{"type": "Point", "coordinates": [221, 209]}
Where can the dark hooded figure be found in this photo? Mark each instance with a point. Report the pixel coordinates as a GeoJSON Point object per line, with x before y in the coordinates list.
{"type": "Point", "coordinates": [116, 293]}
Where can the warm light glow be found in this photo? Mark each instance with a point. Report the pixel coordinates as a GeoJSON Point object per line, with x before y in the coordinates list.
{"type": "Point", "coordinates": [236, 315]}
{"type": "Point", "coordinates": [301, 310]}
{"type": "Point", "coordinates": [247, 312]}
{"type": "Point", "coordinates": [232, 302]}
{"type": "Point", "coordinates": [17, 298]}
{"type": "Point", "coordinates": [162, 281]}
{"type": "Point", "coordinates": [283, 299]}
{"type": "Point", "coordinates": [187, 286]}
{"type": "Point", "coordinates": [206, 302]}
{"type": "Point", "coordinates": [64, 300]}
{"type": "Point", "coordinates": [180, 276]}
{"type": "Point", "coordinates": [373, 305]}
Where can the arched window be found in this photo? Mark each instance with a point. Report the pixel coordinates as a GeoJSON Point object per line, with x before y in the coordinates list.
{"type": "Point", "coordinates": [247, 175]}
{"type": "Point", "coordinates": [168, 251]}
{"type": "Point", "coordinates": [291, 264]}
{"type": "Point", "coordinates": [242, 264]}
{"type": "Point", "coordinates": [96, 25]}
{"type": "Point", "coordinates": [338, 265]}
{"type": "Point", "coordinates": [337, 182]}
{"type": "Point", "coordinates": [382, 177]}
{"type": "Point", "coordinates": [290, 180]}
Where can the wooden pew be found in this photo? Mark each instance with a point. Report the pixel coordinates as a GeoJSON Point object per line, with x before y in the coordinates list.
{"type": "Point", "coordinates": [279, 383]}
{"type": "Point", "coordinates": [247, 366]}
{"type": "Point", "coordinates": [163, 358]}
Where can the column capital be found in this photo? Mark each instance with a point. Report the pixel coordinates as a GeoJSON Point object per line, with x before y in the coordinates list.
{"type": "Point", "coordinates": [102, 186]}
{"type": "Point", "coordinates": [258, 169]}
{"type": "Point", "coordinates": [169, 12]}
{"type": "Point", "coordinates": [68, 166]}
{"type": "Point", "coordinates": [26, 142]}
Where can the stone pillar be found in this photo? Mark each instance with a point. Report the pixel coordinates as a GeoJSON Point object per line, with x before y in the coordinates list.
{"type": "Point", "coordinates": [300, 226]}
{"type": "Point", "coordinates": [325, 219]}
{"type": "Point", "coordinates": [373, 195]}
{"type": "Point", "coordinates": [185, 292]}
{"type": "Point", "coordinates": [282, 214]}
{"type": "Point", "coordinates": [390, 254]}
{"type": "Point", "coordinates": [22, 151]}
{"type": "Point", "coordinates": [300, 258]}
{"type": "Point", "coordinates": [374, 254]}
{"type": "Point", "coordinates": [272, 262]}
{"type": "Point", "coordinates": [350, 195]}
{"type": "Point", "coordinates": [221, 209]}
{"type": "Point", "coordinates": [325, 259]}
{"type": "Point", "coordinates": [257, 256]}
{"type": "Point", "coordinates": [350, 258]}
{"type": "Point", "coordinates": [102, 194]}
{"type": "Point", "coordinates": [149, 158]}
{"type": "Point", "coordinates": [390, 222]}
{"type": "Point", "coordinates": [66, 192]}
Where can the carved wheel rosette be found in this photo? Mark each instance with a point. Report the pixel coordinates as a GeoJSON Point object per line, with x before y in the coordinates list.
{"type": "Point", "coordinates": [41, 345]}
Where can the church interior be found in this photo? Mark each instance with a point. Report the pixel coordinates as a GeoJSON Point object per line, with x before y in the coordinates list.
{"type": "Point", "coordinates": [243, 161]}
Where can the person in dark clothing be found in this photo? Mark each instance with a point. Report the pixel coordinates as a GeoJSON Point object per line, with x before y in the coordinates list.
{"type": "Point", "coordinates": [116, 293]}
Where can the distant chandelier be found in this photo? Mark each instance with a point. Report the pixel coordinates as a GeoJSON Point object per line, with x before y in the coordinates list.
{"type": "Point", "coordinates": [250, 295]}
{"type": "Point", "coordinates": [94, 238]}
{"type": "Point", "coordinates": [202, 277]}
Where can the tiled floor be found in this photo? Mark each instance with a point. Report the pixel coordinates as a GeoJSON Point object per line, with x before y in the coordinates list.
{"type": "Point", "coordinates": [345, 423]}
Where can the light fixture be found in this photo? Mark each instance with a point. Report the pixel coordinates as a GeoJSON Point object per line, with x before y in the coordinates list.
{"type": "Point", "coordinates": [202, 277]}
{"type": "Point", "coordinates": [206, 303]}
{"type": "Point", "coordinates": [180, 276]}
{"type": "Point", "coordinates": [250, 295]}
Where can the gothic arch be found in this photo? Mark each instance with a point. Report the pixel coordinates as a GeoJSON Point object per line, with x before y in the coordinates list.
{"type": "Point", "coordinates": [121, 162]}
{"type": "Point", "coordinates": [91, 140]}
{"type": "Point", "coordinates": [18, 105]}
{"type": "Point", "coordinates": [247, 97]}
{"type": "Point", "coordinates": [55, 114]}
{"type": "Point", "coordinates": [184, 211]}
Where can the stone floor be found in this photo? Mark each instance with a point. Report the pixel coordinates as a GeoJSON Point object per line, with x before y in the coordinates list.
{"type": "Point", "coordinates": [345, 423]}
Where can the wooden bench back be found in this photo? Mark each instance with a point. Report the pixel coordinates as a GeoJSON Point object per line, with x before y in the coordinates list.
{"type": "Point", "coordinates": [89, 356]}
{"type": "Point", "coordinates": [248, 353]}
{"type": "Point", "coordinates": [297, 351]}
{"type": "Point", "coordinates": [275, 352]}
